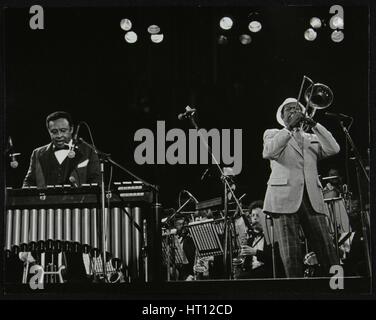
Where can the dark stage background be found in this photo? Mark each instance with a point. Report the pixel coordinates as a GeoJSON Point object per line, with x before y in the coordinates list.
{"type": "Point", "coordinates": [81, 63]}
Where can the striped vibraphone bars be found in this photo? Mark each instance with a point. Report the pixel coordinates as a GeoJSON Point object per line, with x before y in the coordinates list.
{"type": "Point", "coordinates": [67, 219]}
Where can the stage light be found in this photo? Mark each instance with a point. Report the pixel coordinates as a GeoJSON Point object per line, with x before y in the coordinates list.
{"type": "Point", "coordinates": [310, 34]}
{"type": "Point", "coordinates": [126, 24]}
{"type": "Point", "coordinates": [245, 39]}
{"type": "Point", "coordinates": [154, 29]}
{"type": "Point", "coordinates": [254, 26]}
{"type": "Point", "coordinates": [131, 37]}
{"type": "Point", "coordinates": [337, 36]}
{"type": "Point", "coordinates": [255, 22]}
{"type": "Point", "coordinates": [336, 22]}
{"type": "Point", "coordinates": [226, 23]}
{"type": "Point", "coordinates": [157, 38]}
{"type": "Point", "coordinates": [222, 39]}
{"type": "Point", "coordinates": [315, 23]}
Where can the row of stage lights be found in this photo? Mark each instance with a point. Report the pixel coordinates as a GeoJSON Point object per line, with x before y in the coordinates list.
{"type": "Point", "coordinates": [336, 24]}
{"type": "Point", "coordinates": [254, 26]}
{"type": "Point", "coordinates": [131, 36]}
{"type": "Point", "coordinates": [226, 23]}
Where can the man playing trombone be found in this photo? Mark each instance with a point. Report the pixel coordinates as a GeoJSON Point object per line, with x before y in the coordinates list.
{"type": "Point", "coordinates": [294, 195]}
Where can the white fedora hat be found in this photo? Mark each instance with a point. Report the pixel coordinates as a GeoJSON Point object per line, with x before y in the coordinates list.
{"type": "Point", "coordinates": [279, 110]}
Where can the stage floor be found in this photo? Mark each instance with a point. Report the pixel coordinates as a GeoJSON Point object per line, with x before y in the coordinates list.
{"type": "Point", "coordinates": [353, 287]}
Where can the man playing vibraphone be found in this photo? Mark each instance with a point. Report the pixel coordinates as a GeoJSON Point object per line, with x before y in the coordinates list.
{"type": "Point", "coordinates": [62, 163]}
{"type": "Point", "coordinates": [57, 163]}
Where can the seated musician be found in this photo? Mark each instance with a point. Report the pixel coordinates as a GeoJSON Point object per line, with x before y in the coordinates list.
{"type": "Point", "coordinates": [334, 184]}
{"type": "Point", "coordinates": [256, 251]}
{"type": "Point", "coordinates": [56, 164]}
{"type": "Point", "coordinates": [335, 193]}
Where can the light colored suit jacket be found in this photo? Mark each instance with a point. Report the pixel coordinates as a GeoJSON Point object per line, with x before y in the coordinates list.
{"type": "Point", "coordinates": [292, 168]}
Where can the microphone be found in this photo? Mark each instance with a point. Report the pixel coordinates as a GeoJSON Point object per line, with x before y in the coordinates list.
{"type": "Point", "coordinates": [13, 161]}
{"type": "Point", "coordinates": [72, 180]}
{"type": "Point", "coordinates": [191, 196]}
{"type": "Point", "coordinates": [189, 112]}
{"type": "Point", "coordinates": [338, 116]}
{"type": "Point", "coordinates": [13, 155]}
{"type": "Point", "coordinates": [72, 153]}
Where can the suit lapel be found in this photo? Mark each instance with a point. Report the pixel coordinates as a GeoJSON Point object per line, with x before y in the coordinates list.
{"type": "Point", "coordinates": [75, 161]}
{"type": "Point", "coordinates": [43, 158]}
{"type": "Point", "coordinates": [304, 140]}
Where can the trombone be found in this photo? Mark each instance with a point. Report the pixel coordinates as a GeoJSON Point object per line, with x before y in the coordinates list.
{"type": "Point", "coordinates": [318, 96]}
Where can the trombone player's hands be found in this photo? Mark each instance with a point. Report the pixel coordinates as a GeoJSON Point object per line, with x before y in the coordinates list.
{"type": "Point", "coordinates": [309, 123]}
{"type": "Point", "coordinates": [294, 120]}
{"type": "Point", "coordinates": [298, 118]}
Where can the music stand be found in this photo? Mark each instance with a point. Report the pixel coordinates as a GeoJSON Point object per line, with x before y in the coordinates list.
{"type": "Point", "coordinates": [206, 236]}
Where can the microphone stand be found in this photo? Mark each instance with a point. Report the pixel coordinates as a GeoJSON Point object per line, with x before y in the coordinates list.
{"type": "Point", "coordinates": [177, 211]}
{"type": "Point", "coordinates": [360, 168]}
{"type": "Point", "coordinates": [227, 187]}
{"type": "Point", "coordinates": [271, 238]}
{"type": "Point", "coordinates": [103, 158]}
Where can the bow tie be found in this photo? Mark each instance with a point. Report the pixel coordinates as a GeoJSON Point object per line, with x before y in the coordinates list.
{"type": "Point", "coordinates": [61, 148]}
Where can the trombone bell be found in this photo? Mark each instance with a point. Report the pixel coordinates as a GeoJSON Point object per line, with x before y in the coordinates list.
{"type": "Point", "coordinates": [318, 96]}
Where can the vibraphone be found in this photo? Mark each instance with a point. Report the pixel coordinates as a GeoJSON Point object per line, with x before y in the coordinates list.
{"type": "Point", "coordinates": [64, 219]}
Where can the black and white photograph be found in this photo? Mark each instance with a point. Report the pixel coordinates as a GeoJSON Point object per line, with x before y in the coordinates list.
{"type": "Point", "coordinates": [186, 150]}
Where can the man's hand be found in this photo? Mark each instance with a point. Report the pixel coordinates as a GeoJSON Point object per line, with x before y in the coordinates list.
{"type": "Point", "coordinates": [295, 120]}
{"type": "Point", "coordinates": [309, 123]}
{"type": "Point", "coordinates": [26, 257]}
{"type": "Point", "coordinates": [189, 278]}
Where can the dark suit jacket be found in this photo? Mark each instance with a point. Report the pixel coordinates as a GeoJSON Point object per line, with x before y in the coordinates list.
{"type": "Point", "coordinates": [84, 166]}
{"type": "Point", "coordinates": [265, 271]}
